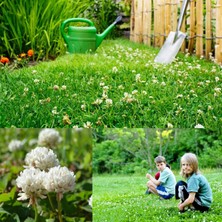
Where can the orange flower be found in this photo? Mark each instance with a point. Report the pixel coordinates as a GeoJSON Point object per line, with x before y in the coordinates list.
{"type": "Point", "coordinates": [30, 52]}
{"type": "Point", "coordinates": [22, 55]}
{"type": "Point", "coordinates": [4, 60]}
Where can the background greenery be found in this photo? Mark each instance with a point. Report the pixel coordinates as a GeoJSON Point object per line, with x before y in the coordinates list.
{"type": "Point", "coordinates": [130, 151]}
{"type": "Point", "coordinates": [74, 152]}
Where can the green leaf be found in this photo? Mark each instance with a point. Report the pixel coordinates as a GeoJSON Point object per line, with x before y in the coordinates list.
{"type": "Point", "coordinates": [4, 181]}
{"type": "Point", "coordinates": [8, 196]}
{"type": "Point", "coordinates": [3, 211]}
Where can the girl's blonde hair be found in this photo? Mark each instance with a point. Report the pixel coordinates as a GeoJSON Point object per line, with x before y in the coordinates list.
{"type": "Point", "coordinates": [191, 159]}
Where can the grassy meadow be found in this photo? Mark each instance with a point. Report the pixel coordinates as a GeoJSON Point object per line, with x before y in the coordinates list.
{"type": "Point", "coordinates": [118, 198]}
{"type": "Point", "coordinates": [118, 86]}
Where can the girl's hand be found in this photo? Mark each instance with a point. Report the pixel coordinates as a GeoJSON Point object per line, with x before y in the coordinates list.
{"type": "Point", "coordinates": [180, 207]}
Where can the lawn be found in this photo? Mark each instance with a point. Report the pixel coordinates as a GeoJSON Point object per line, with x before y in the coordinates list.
{"type": "Point", "coordinates": [118, 86]}
{"type": "Point", "coordinates": [119, 198]}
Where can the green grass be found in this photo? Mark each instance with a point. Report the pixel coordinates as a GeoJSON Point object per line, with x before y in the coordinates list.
{"type": "Point", "coordinates": [118, 86]}
{"type": "Point", "coordinates": [122, 199]}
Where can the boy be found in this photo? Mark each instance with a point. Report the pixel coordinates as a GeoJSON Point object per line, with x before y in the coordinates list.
{"type": "Point", "coordinates": [165, 185]}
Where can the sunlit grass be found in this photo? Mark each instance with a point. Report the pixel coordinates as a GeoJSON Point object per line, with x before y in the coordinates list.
{"type": "Point", "coordinates": [118, 86]}
{"type": "Point", "coordinates": [122, 198]}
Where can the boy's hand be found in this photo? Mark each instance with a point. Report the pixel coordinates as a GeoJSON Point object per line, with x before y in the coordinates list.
{"type": "Point", "coordinates": [148, 175]}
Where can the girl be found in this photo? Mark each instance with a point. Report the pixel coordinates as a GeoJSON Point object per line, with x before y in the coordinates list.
{"type": "Point", "coordinates": [196, 193]}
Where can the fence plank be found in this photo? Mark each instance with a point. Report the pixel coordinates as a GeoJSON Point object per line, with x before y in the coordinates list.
{"type": "Point", "coordinates": [208, 29]}
{"type": "Point", "coordinates": [138, 4]}
{"type": "Point", "coordinates": [192, 26]}
{"type": "Point", "coordinates": [147, 22]}
{"type": "Point", "coordinates": [168, 27]}
{"type": "Point", "coordinates": [132, 21]}
{"type": "Point", "coordinates": [199, 28]}
{"type": "Point", "coordinates": [183, 29]}
{"type": "Point", "coordinates": [218, 46]}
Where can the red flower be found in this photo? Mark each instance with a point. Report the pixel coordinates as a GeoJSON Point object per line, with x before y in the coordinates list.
{"type": "Point", "coordinates": [4, 60]}
{"type": "Point", "coordinates": [30, 52]}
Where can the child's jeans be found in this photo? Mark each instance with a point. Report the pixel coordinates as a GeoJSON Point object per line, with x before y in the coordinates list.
{"type": "Point", "coordinates": [182, 194]}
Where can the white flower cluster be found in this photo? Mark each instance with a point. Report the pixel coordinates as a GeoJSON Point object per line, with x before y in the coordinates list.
{"type": "Point", "coordinates": [42, 158]}
{"type": "Point", "coordinates": [49, 138]}
{"type": "Point", "coordinates": [31, 181]}
{"type": "Point", "coordinates": [43, 175]}
{"type": "Point", "coordinates": [60, 180]}
{"type": "Point", "coordinates": [15, 145]}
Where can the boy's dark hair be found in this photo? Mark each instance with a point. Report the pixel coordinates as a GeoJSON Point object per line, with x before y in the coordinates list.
{"type": "Point", "coordinates": [160, 159]}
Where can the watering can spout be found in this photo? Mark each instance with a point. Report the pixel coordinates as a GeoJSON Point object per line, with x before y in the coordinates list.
{"type": "Point", "coordinates": [100, 37]}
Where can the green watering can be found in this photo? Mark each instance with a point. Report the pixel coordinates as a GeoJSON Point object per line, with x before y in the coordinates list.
{"type": "Point", "coordinates": [84, 39]}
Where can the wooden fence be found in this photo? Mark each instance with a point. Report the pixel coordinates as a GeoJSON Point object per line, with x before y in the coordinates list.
{"type": "Point", "coordinates": [152, 20]}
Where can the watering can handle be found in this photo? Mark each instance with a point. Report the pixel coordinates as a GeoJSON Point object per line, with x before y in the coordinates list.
{"type": "Point", "coordinates": [90, 23]}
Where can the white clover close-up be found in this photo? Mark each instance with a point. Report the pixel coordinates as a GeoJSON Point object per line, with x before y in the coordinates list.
{"type": "Point", "coordinates": [15, 145]}
{"type": "Point", "coordinates": [90, 201]}
{"type": "Point", "coordinates": [49, 138]}
{"type": "Point", "coordinates": [60, 180]}
{"type": "Point", "coordinates": [42, 158]}
{"type": "Point", "coordinates": [31, 182]}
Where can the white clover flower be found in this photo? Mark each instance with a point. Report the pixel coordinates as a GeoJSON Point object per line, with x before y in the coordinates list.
{"type": "Point", "coordinates": [114, 69]}
{"type": "Point", "coordinates": [31, 182]}
{"type": "Point", "coordinates": [97, 102]}
{"type": "Point", "coordinates": [199, 111]}
{"type": "Point", "coordinates": [169, 125]}
{"type": "Point", "coordinates": [60, 180]}
{"type": "Point", "coordinates": [134, 92]}
{"type": "Point", "coordinates": [87, 125]}
{"type": "Point", "coordinates": [138, 77]}
{"type": "Point", "coordinates": [109, 102]}
{"type": "Point", "coordinates": [15, 145]}
{"type": "Point", "coordinates": [217, 79]}
{"type": "Point", "coordinates": [163, 84]}
{"type": "Point", "coordinates": [120, 87]}
{"type": "Point", "coordinates": [63, 87]}
{"type": "Point", "coordinates": [49, 138]}
{"type": "Point", "coordinates": [104, 96]}
{"type": "Point", "coordinates": [105, 89]}
{"type": "Point", "coordinates": [26, 89]}
{"type": "Point", "coordinates": [144, 92]}
{"type": "Point", "coordinates": [56, 87]}
{"type": "Point", "coordinates": [199, 126]}
{"type": "Point", "coordinates": [83, 107]}
{"type": "Point", "coordinates": [90, 201]}
{"type": "Point", "coordinates": [102, 84]}
{"type": "Point", "coordinates": [179, 96]}
{"type": "Point", "coordinates": [42, 158]}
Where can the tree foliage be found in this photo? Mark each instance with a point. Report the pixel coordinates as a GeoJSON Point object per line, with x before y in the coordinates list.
{"type": "Point", "coordinates": [134, 150]}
